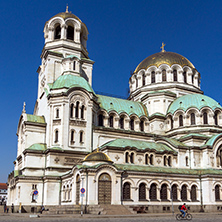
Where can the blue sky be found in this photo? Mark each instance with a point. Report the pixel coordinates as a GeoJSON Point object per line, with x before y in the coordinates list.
{"type": "Point", "coordinates": [121, 34]}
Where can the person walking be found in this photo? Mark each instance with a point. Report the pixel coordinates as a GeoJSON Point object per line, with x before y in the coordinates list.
{"type": "Point", "coordinates": [12, 208]}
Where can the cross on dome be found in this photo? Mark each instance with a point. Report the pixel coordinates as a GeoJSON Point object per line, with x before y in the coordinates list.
{"type": "Point", "coordinates": [67, 8]}
{"type": "Point", "coordinates": [162, 47]}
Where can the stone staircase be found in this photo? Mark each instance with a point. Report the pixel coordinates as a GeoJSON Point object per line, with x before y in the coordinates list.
{"type": "Point", "coordinates": [62, 209]}
{"type": "Point", "coordinates": [115, 209]}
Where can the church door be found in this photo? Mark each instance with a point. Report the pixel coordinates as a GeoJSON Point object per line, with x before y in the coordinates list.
{"type": "Point", "coordinates": [104, 191]}
{"type": "Point", "coordinates": [77, 189]}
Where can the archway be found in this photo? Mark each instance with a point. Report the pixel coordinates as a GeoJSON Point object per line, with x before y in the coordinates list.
{"type": "Point", "coordinates": [104, 189]}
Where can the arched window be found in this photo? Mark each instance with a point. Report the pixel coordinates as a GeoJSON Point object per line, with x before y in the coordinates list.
{"type": "Point", "coordinates": [185, 77]}
{"type": "Point", "coordinates": [82, 112]}
{"type": "Point", "coordinates": [184, 193]}
{"type": "Point", "coordinates": [126, 191]}
{"type": "Point", "coordinates": [192, 78]}
{"type": "Point", "coordinates": [180, 120]}
{"type": "Point", "coordinates": [136, 82]}
{"type": "Point", "coordinates": [57, 32]}
{"type": "Point", "coordinates": [175, 75]}
{"type": "Point", "coordinates": [164, 160]}
{"type": "Point", "coordinates": [77, 110]}
{"type": "Point", "coordinates": [187, 162]}
{"type": "Point", "coordinates": [100, 120]}
{"type": "Point", "coordinates": [169, 161]}
{"type": "Point", "coordinates": [164, 75]}
{"type": "Point", "coordinates": [71, 110]}
{"type": "Point", "coordinates": [132, 157]}
{"type": "Point", "coordinates": [111, 121]}
{"type": "Point", "coordinates": [192, 119]}
{"type": "Point", "coordinates": [74, 65]}
{"type": "Point", "coordinates": [144, 79]}
{"type": "Point", "coordinates": [193, 193]}
{"type": "Point", "coordinates": [72, 136]}
{"type": "Point", "coordinates": [216, 118]}
{"type": "Point", "coordinates": [151, 159]}
{"type": "Point", "coordinates": [171, 122]}
{"type": "Point", "coordinates": [153, 194]}
{"type": "Point", "coordinates": [127, 157]}
{"type": "Point", "coordinates": [217, 192]}
{"type": "Point", "coordinates": [56, 136]}
{"type": "Point", "coordinates": [205, 119]}
{"type": "Point", "coordinates": [57, 113]}
{"type": "Point", "coordinates": [81, 137]}
{"type": "Point", "coordinates": [70, 33]}
{"type": "Point", "coordinates": [121, 123]}
{"type": "Point", "coordinates": [77, 189]}
{"type": "Point", "coordinates": [142, 191]}
{"type": "Point", "coordinates": [174, 192]}
{"type": "Point", "coordinates": [153, 77]}
{"type": "Point", "coordinates": [132, 124]}
{"type": "Point", "coordinates": [146, 159]}
{"type": "Point", "coordinates": [142, 125]}
{"type": "Point", "coordinates": [163, 192]}
{"type": "Point", "coordinates": [219, 157]}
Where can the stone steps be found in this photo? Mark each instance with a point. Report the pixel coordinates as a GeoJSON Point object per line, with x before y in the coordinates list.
{"type": "Point", "coordinates": [62, 209]}
{"type": "Point", "coordinates": [115, 209]}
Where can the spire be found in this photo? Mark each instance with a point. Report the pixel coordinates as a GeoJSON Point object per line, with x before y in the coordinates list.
{"type": "Point", "coordinates": [67, 8]}
{"type": "Point", "coordinates": [162, 47]}
{"type": "Point", "coordinates": [24, 111]}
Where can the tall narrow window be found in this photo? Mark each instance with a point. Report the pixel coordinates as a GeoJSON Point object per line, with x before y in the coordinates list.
{"type": "Point", "coordinates": [111, 121]}
{"type": "Point", "coordinates": [153, 194]}
{"type": "Point", "coordinates": [174, 75]}
{"type": "Point", "coordinates": [171, 122]}
{"type": "Point", "coordinates": [185, 77]}
{"type": "Point", "coordinates": [164, 75]}
{"type": "Point", "coordinates": [72, 137]}
{"type": "Point", "coordinates": [127, 157]}
{"type": "Point", "coordinates": [57, 32]}
{"type": "Point", "coordinates": [121, 123]}
{"type": "Point", "coordinates": [180, 120]}
{"type": "Point", "coordinates": [146, 159]}
{"type": "Point", "coordinates": [187, 161]}
{"type": "Point", "coordinates": [144, 79]}
{"type": "Point", "coordinates": [81, 137]}
{"type": "Point", "coordinates": [205, 119]}
{"type": "Point", "coordinates": [184, 193]}
{"type": "Point", "coordinates": [136, 82]}
{"type": "Point", "coordinates": [142, 191]}
{"type": "Point", "coordinates": [132, 124]}
{"type": "Point", "coordinates": [74, 65]}
{"type": "Point", "coordinates": [82, 112]}
{"type": "Point", "coordinates": [192, 119]}
{"type": "Point", "coordinates": [57, 113]}
{"type": "Point", "coordinates": [56, 136]}
{"type": "Point", "coordinates": [169, 161]}
{"type": "Point", "coordinates": [217, 192]}
{"type": "Point", "coordinates": [174, 192]}
{"type": "Point", "coordinates": [100, 120]}
{"type": "Point", "coordinates": [142, 125]}
{"type": "Point", "coordinates": [164, 160]}
{"type": "Point", "coordinates": [216, 118]}
{"type": "Point", "coordinates": [70, 33]}
{"type": "Point", "coordinates": [71, 110]}
{"type": "Point", "coordinates": [192, 78]}
{"type": "Point", "coordinates": [153, 79]}
{"type": "Point", "coordinates": [132, 157]}
{"type": "Point", "coordinates": [77, 110]}
{"type": "Point", "coordinates": [163, 192]}
{"type": "Point", "coordinates": [151, 159]}
{"type": "Point", "coordinates": [193, 193]}
{"type": "Point", "coordinates": [126, 191]}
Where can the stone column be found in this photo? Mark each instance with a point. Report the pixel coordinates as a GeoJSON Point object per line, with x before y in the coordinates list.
{"type": "Point", "coordinates": [116, 122]}
{"type": "Point", "coordinates": [180, 76]}
{"type": "Point", "coordinates": [147, 78]}
{"type": "Point", "coordinates": [105, 121]}
{"type": "Point", "coordinates": [63, 31]}
{"type": "Point", "coordinates": [126, 123]}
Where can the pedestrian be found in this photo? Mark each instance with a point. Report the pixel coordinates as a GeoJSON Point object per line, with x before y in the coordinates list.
{"type": "Point", "coordinates": [12, 208]}
{"type": "Point", "coordinates": [5, 207]}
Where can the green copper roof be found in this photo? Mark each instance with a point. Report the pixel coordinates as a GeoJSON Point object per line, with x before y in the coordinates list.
{"type": "Point", "coordinates": [37, 146]}
{"type": "Point", "coordinates": [195, 135]}
{"type": "Point", "coordinates": [122, 106]}
{"type": "Point", "coordinates": [174, 142]}
{"type": "Point", "coordinates": [211, 141]}
{"type": "Point", "coordinates": [35, 119]}
{"type": "Point", "coordinates": [141, 145]}
{"type": "Point", "coordinates": [69, 81]}
{"type": "Point", "coordinates": [193, 100]}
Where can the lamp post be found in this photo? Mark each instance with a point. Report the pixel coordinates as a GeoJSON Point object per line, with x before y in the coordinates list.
{"type": "Point", "coordinates": [171, 196]}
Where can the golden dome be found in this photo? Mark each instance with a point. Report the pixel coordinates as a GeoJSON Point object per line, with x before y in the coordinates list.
{"type": "Point", "coordinates": [97, 156]}
{"type": "Point", "coordinates": [168, 58]}
{"type": "Point", "coordinates": [66, 15]}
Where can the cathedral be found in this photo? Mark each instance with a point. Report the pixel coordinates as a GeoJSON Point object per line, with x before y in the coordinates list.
{"type": "Point", "coordinates": [157, 149]}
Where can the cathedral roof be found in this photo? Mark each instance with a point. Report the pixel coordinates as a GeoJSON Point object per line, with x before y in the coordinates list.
{"type": "Point", "coordinates": [193, 100]}
{"type": "Point", "coordinates": [97, 156]}
{"type": "Point", "coordinates": [69, 81]}
{"type": "Point", "coordinates": [122, 106]}
{"type": "Point", "coordinates": [66, 15]}
{"type": "Point", "coordinates": [38, 146]}
{"type": "Point", "coordinates": [139, 144]}
{"type": "Point", "coordinates": [168, 58]}
{"type": "Point", "coordinates": [36, 119]}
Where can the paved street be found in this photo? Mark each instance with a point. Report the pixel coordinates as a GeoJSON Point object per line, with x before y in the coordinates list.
{"type": "Point", "coordinates": [105, 218]}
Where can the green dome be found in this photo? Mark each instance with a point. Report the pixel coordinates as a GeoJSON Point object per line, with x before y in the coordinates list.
{"type": "Point", "coordinates": [69, 81]}
{"type": "Point", "coordinates": [193, 100]}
